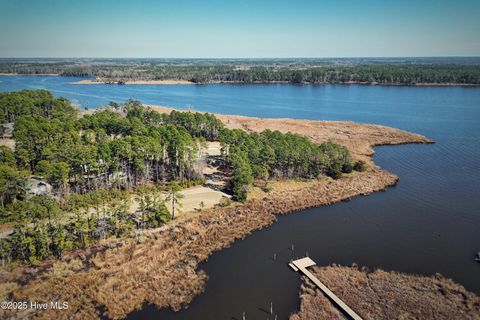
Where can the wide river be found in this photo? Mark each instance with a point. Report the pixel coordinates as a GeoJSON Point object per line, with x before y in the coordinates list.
{"type": "Point", "coordinates": [428, 223]}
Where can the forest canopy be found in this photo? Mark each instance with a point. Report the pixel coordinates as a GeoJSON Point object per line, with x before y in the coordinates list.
{"type": "Point", "coordinates": [94, 164]}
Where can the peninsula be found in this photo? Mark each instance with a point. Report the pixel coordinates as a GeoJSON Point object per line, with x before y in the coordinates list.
{"type": "Point", "coordinates": [118, 273]}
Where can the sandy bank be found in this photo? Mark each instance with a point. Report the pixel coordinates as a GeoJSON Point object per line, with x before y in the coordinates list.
{"type": "Point", "coordinates": [162, 269]}
{"type": "Point", "coordinates": [174, 81]}
{"type": "Point", "coordinates": [105, 81]}
{"type": "Point", "coordinates": [386, 295]}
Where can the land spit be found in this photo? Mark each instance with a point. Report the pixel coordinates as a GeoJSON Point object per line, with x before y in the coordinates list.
{"type": "Point", "coordinates": [122, 81]}
{"type": "Point", "coordinates": [386, 295]}
{"type": "Point", "coordinates": [357, 137]}
{"type": "Point", "coordinates": [161, 269]}
{"type": "Point", "coordinates": [108, 81]}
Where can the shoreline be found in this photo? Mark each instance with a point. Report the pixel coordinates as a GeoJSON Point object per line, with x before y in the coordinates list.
{"type": "Point", "coordinates": [100, 81]}
{"type": "Point", "coordinates": [163, 270]}
{"type": "Point", "coordinates": [29, 74]}
{"type": "Point", "coordinates": [129, 82]}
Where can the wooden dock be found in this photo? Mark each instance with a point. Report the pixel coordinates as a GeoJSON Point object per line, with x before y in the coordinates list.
{"type": "Point", "coordinates": [301, 265]}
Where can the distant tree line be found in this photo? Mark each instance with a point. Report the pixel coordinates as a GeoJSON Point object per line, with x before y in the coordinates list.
{"type": "Point", "coordinates": [381, 72]}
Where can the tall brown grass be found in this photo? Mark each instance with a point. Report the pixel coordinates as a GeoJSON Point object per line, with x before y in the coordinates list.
{"type": "Point", "coordinates": [161, 270]}
{"type": "Point", "coordinates": [386, 295]}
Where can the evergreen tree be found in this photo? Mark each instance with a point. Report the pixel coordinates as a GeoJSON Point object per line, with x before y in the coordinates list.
{"type": "Point", "coordinates": [174, 196]}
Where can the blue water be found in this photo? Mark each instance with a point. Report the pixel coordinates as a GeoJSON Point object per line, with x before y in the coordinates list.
{"type": "Point", "coordinates": [428, 223]}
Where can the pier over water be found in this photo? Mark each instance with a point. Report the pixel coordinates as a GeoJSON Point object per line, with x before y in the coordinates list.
{"type": "Point", "coordinates": [301, 266]}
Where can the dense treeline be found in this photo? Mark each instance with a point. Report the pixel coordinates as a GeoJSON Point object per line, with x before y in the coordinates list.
{"type": "Point", "coordinates": [110, 148]}
{"type": "Point", "coordinates": [383, 71]}
{"type": "Point", "coordinates": [120, 147]}
{"type": "Point", "coordinates": [34, 103]}
{"type": "Point", "coordinates": [99, 164]}
{"type": "Point", "coordinates": [43, 228]}
{"type": "Point", "coordinates": [93, 163]}
{"type": "Point", "coordinates": [273, 154]}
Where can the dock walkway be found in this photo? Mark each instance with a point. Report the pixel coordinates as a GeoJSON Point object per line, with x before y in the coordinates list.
{"type": "Point", "coordinates": [302, 265]}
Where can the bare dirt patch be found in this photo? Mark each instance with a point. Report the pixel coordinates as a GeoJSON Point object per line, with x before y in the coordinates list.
{"type": "Point", "coordinates": [213, 148]}
{"type": "Point", "coordinates": [193, 197]}
{"type": "Point", "coordinates": [7, 142]}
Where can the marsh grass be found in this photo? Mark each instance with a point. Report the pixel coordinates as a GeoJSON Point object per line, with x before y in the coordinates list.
{"type": "Point", "coordinates": [386, 295]}
{"type": "Point", "coordinates": [162, 268]}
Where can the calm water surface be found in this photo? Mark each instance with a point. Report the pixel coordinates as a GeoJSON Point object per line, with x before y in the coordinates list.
{"type": "Point", "coordinates": [428, 223]}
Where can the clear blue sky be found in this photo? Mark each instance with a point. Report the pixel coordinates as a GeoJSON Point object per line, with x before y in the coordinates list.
{"type": "Point", "coordinates": [243, 28]}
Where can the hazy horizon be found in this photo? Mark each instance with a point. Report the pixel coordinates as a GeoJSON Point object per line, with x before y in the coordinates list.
{"type": "Point", "coordinates": [242, 58]}
{"type": "Point", "coordinates": [250, 29]}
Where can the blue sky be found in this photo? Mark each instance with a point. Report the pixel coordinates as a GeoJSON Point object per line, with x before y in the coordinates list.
{"type": "Point", "coordinates": [181, 28]}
